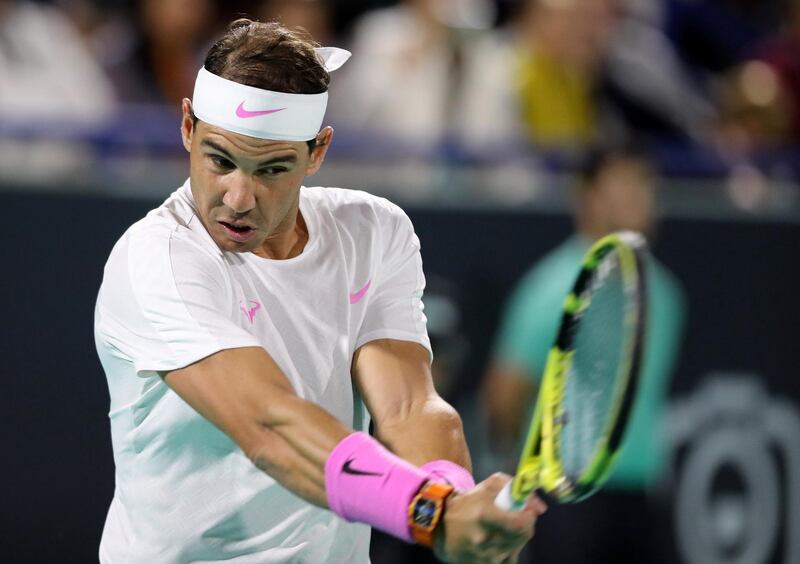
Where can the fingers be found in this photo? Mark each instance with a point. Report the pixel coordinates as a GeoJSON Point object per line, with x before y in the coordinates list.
{"type": "Point", "coordinates": [512, 558]}
{"type": "Point", "coordinates": [510, 523]}
{"type": "Point", "coordinates": [500, 556]}
{"type": "Point", "coordinates": [477, 530]}
{"type": "Point", "coordinates": [510, 530]}
{"type": "Point", "coordinates": [496, 481]}
{"type": "Point", "coordinates": [537, 504]}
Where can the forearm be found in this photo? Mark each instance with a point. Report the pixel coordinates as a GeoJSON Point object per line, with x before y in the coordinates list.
{"type": "Point", "coordinates": [243, 392]}
{"type": "Point", "coordinates": [293, 444]}
{"type": "Point", "coordinates": [430, 430]}
{"type": "Point", "coordinates": [507, 394]}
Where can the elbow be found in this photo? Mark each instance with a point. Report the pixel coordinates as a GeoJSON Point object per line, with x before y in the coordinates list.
{"type": "Point", "coordinates": [450, 420]}
{"type": "Point", "coordinates": [432, 414]}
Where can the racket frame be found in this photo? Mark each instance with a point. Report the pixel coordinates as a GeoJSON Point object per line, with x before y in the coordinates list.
{"type": "Point", "coordinates": [540, 466]}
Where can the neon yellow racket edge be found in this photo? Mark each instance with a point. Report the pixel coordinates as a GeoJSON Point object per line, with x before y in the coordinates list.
{"type": "Point", "coordinates": [590, 378]}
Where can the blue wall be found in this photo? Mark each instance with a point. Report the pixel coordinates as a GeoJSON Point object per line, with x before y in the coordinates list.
{"type": "Point", "coordinates": [56, 466]}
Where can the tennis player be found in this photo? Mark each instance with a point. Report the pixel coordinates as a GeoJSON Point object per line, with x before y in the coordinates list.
{"type": "Point", "coordinates": [250, 327]}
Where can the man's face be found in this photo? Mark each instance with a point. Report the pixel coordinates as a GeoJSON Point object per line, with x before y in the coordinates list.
{"type": "Point", "coordinates": [577, 32]}
{"type": "Point", "coordinates": [246, 189]}
{"type": "Point", "coordinates": [624, 196]}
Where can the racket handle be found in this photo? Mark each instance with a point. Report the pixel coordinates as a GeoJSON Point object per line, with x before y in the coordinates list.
{"type": "Point", "coordinates": [505, 501]}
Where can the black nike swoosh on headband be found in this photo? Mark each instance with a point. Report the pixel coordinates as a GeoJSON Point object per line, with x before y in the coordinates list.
{"type": "Point", "coordinates": [348, 469]}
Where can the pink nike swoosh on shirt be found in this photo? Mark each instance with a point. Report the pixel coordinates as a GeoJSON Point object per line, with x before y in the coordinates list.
{"type": "Point", "coordinates": [355, 297]}
{"type": "Point", "coordinates": [242, 113]}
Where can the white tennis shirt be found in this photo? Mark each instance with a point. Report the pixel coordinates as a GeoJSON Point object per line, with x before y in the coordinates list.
{"type": "Point", "coordinates": [184, 491]}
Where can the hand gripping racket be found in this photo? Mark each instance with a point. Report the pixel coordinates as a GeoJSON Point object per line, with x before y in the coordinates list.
{"type": "Point", "coordinates": [590, 378]}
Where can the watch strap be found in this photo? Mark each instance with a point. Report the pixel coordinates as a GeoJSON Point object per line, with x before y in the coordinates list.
{"type": "Point", "coordinates": [425, 511]}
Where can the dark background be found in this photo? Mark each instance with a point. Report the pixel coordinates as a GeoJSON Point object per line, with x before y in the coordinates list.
{"type": "Point", "coordinates": [57, 467]}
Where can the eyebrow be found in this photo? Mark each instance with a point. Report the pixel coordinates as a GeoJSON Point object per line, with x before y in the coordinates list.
{"type": "Point", "coordinates": [291, 159]}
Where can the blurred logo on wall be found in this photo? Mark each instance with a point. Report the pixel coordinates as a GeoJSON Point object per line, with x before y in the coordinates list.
{"type": "Point", "coordinates": [735, 473]}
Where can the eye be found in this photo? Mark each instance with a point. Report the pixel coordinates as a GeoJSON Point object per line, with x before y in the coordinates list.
{"type": "Point", "coordinates": [221, 162]}
{"type": "Point", "coordinates": [273, 170]}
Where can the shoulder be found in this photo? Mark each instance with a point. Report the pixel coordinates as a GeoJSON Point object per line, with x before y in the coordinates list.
{"type": "Point", "coordinates": [167, 239]}
{"type": "Point", "coordinates": [155, 235]}
{"type": "Point", "coordinates": [541, 290]}
{"type": "Point", "coordinates": [555, 271]}
{"type": "Point", "coordinates": [355, 206]}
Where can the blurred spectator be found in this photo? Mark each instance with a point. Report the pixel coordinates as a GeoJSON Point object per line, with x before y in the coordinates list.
{"type": "Point", "coordinates": [567, 73]}
{"type": "Point", "coordinates": [566, 41]}
{"type": "Point", "coordinates": [761, 97]}
{"type": "Point", "coordinates": [616, 193]}
{"type": "Point", "coordinates": [86, 15]}
{"type": "Point", "coordinates": [756, 111]}
{"type": "Point", "coordinates": [782, 54]}
{"type": "Point", "coordinates": [47, 72]}
{"type": "Point", "coordinates": [312, 15]}
{"type": "Point", "coordinates": [536, 79]}
{"type": "Point", "coordinates": [50, 88]}
{"type": "Point", "coordinates": [157, 60]}
{"type": "Point", "coordinates": [403, 80]}
{"type": "Point", "coordinates": [648, 85]}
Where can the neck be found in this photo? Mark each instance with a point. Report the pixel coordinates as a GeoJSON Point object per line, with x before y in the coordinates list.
{"type": "Point", "coordinates": [591, 230]}
{"type": "Point", "coordinates": [286, 243]}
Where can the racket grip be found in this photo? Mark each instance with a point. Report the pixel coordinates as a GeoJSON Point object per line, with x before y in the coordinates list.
{"type": "Point", "coordinates": [505, 501]}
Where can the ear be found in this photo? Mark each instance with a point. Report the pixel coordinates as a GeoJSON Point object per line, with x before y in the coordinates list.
{"type": "Point", "coordinates": [187, 123]}
{"type": "Point", "coordinates": [324, 139]}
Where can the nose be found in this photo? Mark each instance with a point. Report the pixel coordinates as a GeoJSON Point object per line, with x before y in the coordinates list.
{"type": "Point", "coordinates": [240, 195]}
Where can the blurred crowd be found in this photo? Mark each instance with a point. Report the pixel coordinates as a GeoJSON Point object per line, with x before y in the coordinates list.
{"type": "Point", "coordinates": [476, 79]}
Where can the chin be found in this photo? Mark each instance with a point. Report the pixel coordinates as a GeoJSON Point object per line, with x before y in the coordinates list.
{"type": "Point", "coordinates": [234, 247]}
{"type": "Point", "coordinates": [228, 245]}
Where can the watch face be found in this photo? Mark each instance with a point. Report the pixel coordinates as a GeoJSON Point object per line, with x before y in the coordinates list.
{"type": "Point", "coordinates": [424, 510]}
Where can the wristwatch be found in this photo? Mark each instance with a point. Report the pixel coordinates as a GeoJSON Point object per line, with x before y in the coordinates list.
{"type": "Point", "coordinates": [425, 511]}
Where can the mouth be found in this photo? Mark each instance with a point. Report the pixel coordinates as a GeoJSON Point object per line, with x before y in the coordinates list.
{"type": "Point", "coordinates": [239, 232]}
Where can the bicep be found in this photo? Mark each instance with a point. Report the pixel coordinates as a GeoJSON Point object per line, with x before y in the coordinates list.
{"type": "Point", "coordinates": [393, 377]}
{"type": "Point", "coordinates": [530, 324]}
{"type": "Point", "coordinates": [508, 392]}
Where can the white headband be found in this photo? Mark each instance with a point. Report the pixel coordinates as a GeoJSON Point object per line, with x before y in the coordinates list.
{"type": "Point", "coordinates": [263, 113]}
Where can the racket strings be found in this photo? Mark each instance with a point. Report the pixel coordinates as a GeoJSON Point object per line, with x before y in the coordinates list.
{"type": "Point", "coordinates": [598, 340]}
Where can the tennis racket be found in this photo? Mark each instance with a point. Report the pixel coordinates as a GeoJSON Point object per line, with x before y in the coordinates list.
{"type": "Point", "coordinates": [589, 382]}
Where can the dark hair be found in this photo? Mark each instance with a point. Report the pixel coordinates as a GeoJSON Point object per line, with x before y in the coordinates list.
{"type": "Point", "coordinates": [597, 159]}
{"type": "Point", "coordinates": [269, 56]}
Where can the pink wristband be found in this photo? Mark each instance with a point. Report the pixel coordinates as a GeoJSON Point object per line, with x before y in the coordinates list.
{"type": "Point", "coordinates": [365, 482]}
{"type": "Point", "coordinates": [444, 470]}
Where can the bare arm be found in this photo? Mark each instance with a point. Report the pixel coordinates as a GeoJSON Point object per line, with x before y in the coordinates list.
{"type": "Point", "coordinates": [245, 394]}
{"type": "Point", "coordinates": [507, 394]}
{"type": "Point", "coordinates": [411, 419]}
{"type": "Point", "coordinates": [416, 424]}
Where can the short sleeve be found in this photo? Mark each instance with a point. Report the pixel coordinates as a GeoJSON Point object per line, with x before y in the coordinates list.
{"type": "Point", "coordinates": [395, 310]}
{"type": "Point", "coordinates": [166, 303]}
